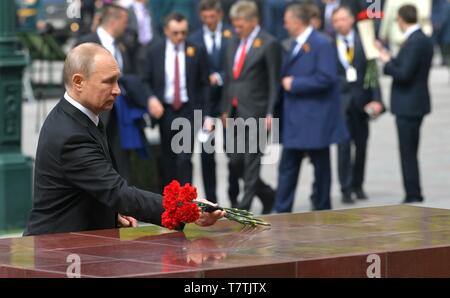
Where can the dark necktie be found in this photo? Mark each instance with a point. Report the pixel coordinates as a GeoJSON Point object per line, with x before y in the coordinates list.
{"type": "Point", "coordinates": [102, 130]}
{"type": "Point", "coordinates": [214, 53]}
{"type": "Point", "coordinates": [349, 52]}
{"type": "Point", "coordinates": [176, 104]}
{"type": "Point", "coordinates": [109, 155]}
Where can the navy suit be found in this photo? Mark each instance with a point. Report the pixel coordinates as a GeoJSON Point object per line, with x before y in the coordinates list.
{"type": "Point", "coordinates": [311, 120]}
{"type": "Point", "coordinates": [354, 98]}
{"type": "Point", "coordinates": [216, 64]}
{"type": "Point", "coordinates": [410, 102]}
{"type": "Point", "coordinates": [177, 166]}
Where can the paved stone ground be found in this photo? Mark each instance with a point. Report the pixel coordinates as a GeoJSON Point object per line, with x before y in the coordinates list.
{"type": "Point", "coordinates": [383, 176]}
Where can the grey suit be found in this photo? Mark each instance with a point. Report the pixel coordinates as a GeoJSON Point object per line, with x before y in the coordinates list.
{"type": "Point", "coordinates": [256, 90]}
{"type": "Point", "coordinates": [258, 85]}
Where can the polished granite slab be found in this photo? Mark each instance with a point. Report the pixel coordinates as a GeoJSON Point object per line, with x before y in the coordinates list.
{"type": "Point", "coordinates": [393, 241]}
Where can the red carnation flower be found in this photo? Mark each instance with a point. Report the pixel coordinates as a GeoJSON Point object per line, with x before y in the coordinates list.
{"type": "Point", "coordinates": [179, 206]}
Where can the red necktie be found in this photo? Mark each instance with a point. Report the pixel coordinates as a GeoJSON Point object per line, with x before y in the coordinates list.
{"type": "Point", "coordinates": [238, 68]}
{"type": "Point", "coordinates": [176, 105]}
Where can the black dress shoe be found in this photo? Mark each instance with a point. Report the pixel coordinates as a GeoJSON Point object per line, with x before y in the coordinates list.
{"type": "Point", "coordinates": [347, 198]}
{"type": "Point", "coordinates": [410, 200]}
{"type": "Point", "coordinates": [360, 194]}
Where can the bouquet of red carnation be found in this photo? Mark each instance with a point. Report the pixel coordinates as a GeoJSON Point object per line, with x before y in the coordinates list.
{"type": "Point", "coordinates": [181, 207]}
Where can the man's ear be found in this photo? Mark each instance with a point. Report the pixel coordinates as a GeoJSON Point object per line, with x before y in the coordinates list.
{"type": "Point", "coordinates": [78, 82]}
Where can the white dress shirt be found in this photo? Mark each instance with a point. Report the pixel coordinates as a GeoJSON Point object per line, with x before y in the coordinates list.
{"type": "Point", "coordinates": [84, 110]}
{"type": "Point", "coordinates": [301, 40]}
{"type": "Point", "coordinates": [107, 41]}
{"type": "Point", "coordinates": [250, 39]}
{"type": "Point", "coordinates": [169, 91]}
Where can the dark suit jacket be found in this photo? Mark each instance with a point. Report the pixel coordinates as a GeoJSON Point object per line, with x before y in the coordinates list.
{"type": "Point", "coordinates": [76, 185]}
{"type": "Point", "coordinates": [355, 93]}
{"type": "Point", "coordinates": [410, 95]}
{"type": "Point", "coordinates": [258, 85]}
{"type": "Point", "coordinates": [197, 79]}
{"type": "Point", "coordinates": [212, 107]}
{"type": "Point", "coordinates": [311, 109]}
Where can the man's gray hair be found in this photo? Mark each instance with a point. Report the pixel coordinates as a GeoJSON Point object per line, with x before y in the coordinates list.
{"type": "Point", "coordinates": [244, 9]}
{"type": "Point", "coordinates": [81, 59]}
{"type": "Point", "coordinates": [301, 12]}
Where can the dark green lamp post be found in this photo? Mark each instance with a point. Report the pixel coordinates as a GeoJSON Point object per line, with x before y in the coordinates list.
{"type": "Point", "coordinates": [15, 168]}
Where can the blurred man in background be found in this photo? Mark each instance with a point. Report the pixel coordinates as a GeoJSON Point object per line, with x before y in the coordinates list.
{"type": "Point", "coordinates": [410, 96]}
{"type": "Point", "coordinates": [356, 102]}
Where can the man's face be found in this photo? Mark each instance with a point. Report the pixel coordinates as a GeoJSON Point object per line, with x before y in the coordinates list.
{"type": "Point", "coordinates": [291, 24]}
{"type": "Point", "coordinates": [100, 89]}
{"type": "Point", "coordinates": [121, 24]}
{"type": "Point", "coordinates": [402, 24]}
{"type": "Point", "coordinates": [244, 27]}
{"type": "Point", "coordinates": [211, 18]}
{"type": "Point", "coordinates": [343, 22]}
{"type": "Point", "coordinates": [176, 32]}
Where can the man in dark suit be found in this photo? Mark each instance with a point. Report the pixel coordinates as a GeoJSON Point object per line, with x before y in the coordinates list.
{"type": "Point", "coordinates": [76, 185]}
{"type": "Point", "coordinates": [213, 36]}
{"type": "Point", "coordinates": [113, 24]}
{"type": "Point", "coordinates": [177, 77]}
{"type": "Point", "coordinates": [356, 101]}
{"type": "Point", "coordinates": [253, 61]}
{"type": "Point", "coordinates": [311, 110]}
{"type": "Point", "coordinates": [410, 96]}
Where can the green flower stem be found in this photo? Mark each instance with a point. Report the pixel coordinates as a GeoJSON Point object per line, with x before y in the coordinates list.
{"type": "Point", "coordinates": [243, 217]}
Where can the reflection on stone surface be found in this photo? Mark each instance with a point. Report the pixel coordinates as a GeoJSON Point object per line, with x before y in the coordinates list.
{"type": "Point", "coordinates": [290, 247]}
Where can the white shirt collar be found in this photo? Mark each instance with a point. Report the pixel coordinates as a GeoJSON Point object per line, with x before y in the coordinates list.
{"type": "Point", "coordinates": [302, 38]}
{"type": "Point", "coordinates": [105, 37]}
{"type": "Point", "coordinates": [170, 45]}
{"type": "Point", "coordinates": [253, 35]}
{"type": "Point", "coordinates": [83, 109]}
{"type": "Point", "coordinates": [350, 37]}
{"type": "Point", "coordinates": [411, 30]}
{"type": "Point", "coordinates": [209, 32]}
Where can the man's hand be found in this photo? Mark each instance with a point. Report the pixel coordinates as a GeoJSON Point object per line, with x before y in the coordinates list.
{"type": "Point", "coordinates": [127, 221]}
{"type": "Point", "coordinates": [208, 219]}
{"type": "Point", "coordinates": [385, 56]}
{"type": "Point", "coordinates": [374, 109]}
{"type": "Point", "coordinates": [155, 108]}
{"type": "Point", "coordinates": [213, 80]}
{"type": "Point", "coordinates": [287, 83]}
{"type": "Point", "coordinates": [269, 120]}
{"type": "Point", "coordinates": [224, 119]}
{"type": "Point", "coordinates": [209, 124]}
